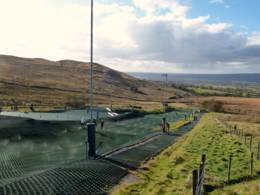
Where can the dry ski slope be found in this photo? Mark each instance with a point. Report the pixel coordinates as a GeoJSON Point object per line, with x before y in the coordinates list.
{"type": "Point", "coordinates": [91, 176]}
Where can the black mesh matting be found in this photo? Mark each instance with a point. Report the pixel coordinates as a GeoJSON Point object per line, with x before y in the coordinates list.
{"type": "Point", "coordinates": [86, 177]}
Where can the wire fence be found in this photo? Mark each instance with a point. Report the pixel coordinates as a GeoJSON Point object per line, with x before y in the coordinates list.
{"type": "Point", "coordinates": [247, 139]}
{"type": "Point", "coordinates": [251, 157]}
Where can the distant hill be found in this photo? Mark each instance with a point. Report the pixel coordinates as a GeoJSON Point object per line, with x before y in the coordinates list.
{"type": "Point", "coordinates": [253, 78]}
{"type": "Point", "coordinates": [58, 83]}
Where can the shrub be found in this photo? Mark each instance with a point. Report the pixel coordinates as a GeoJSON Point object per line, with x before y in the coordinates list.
{"type": "Point", "coordinates": [213, 106]}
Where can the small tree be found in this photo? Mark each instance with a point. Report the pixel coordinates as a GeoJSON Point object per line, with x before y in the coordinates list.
{"type": "Point", "coordinates": [213, 106]}
{"type": "Point", "coordinates": [134, 89]}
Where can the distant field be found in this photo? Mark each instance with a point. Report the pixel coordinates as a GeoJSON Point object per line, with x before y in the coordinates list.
{"type": "Point", "coordinates": [238, 85]}
{"type": "Point", "coordinates": [235, 105]}
{"type": "Point", "coordinates": [217, 88]}
{"type": "Point", "coordinates": [201, 78]}
{"type": "Point", "coordinates": [206, 91]}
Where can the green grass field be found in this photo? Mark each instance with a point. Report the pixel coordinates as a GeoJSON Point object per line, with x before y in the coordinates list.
{"type": "Point", "coordinates": [221, 89]}
{"type": "Point", "coordinates": [170, 172]}
{"type": "Point", "coordinates": [206, 91]}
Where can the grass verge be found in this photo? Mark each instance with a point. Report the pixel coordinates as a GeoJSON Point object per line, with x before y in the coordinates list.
{"type": "Point", "coordinates": [176, 125]}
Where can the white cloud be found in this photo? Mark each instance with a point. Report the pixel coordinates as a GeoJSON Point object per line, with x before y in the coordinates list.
{"type": "Point", "coordinates": [220, 2]}
{"type": "Point", "coordinates": [217, 1]}
{"type": "Point", "coordinates": [189, 23]}
{"type": "Point", "coordinates": [149, 35]}
{"type": "Point", "coordinates": [35, 28]}
{"type": "Point", "coordinates": [218, 27]}
{"type": "Point", "coordinates": [254, 40]}
{"type": "Point", "coordinates": [151, 7]}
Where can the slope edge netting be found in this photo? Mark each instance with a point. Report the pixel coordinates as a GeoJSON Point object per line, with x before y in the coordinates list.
{"type": "Point", "coordinates": [25, 159]}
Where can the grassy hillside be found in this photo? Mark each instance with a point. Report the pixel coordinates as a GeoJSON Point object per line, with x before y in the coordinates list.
{"type": "Point", "coordinates": [47, 83]}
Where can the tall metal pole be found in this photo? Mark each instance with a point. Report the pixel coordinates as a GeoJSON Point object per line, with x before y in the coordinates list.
{"type": "Point", "coordinates": [166, 81]}
{"type": "Point", "coordinates": [166, 84]}
{"type": "Point", "coordinates": [166, 101]}
{"type": "Point", "coordinates": [91, 127]}
{"type": "Point", "coordinates": [165, 91]}
{"type": "Point", "coordinates": [91, 62]}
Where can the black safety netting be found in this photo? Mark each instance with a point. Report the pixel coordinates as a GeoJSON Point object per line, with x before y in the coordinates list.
{"type": "Point", "coordinates": [48, 163]}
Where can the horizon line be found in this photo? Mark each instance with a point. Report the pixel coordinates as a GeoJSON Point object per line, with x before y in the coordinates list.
{"type": "Point", "coordinates": [192, 73]}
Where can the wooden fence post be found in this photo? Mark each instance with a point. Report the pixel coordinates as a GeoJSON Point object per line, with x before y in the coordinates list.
{"type": "Point", "coordinates": [258, 151]}
{"type": "Point", "coordinates": [251, 164]}
{"type": "Point", "coordinates": [194, 181]}
{"type": "Point", "coordinates": [201, 173]}
{"type": "Point", "coordinates": [251, 141]}
{"type": "Point", "coordinates": [198, 177]}
{"type": "Point", "coordinates": [229, 167]}
{"type": "Point", "coordinates": [203, 159]}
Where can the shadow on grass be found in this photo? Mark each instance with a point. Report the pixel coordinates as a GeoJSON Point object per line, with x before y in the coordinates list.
{"type": "Point", "coordinates": [209, 188]}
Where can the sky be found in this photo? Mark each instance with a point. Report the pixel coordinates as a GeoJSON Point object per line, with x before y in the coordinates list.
{"type": "Point", "coordinates": [175, 36]}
